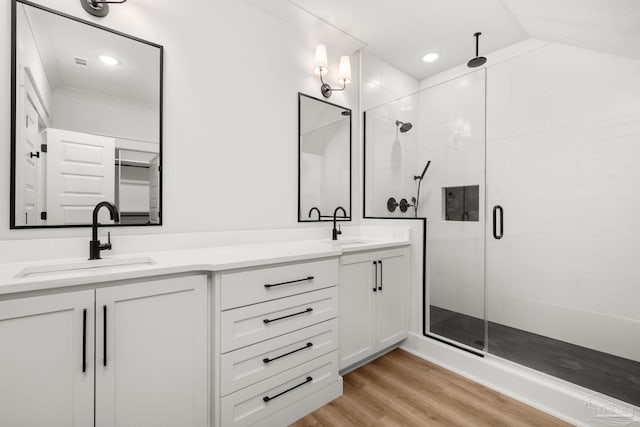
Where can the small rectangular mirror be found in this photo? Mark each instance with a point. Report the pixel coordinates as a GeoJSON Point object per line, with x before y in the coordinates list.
{"type": "Point", "coordinates": [86, 122]}
{"type": "Point", "coordinates": [324, 160]}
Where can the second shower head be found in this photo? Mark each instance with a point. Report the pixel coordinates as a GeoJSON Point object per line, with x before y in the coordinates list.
{"type": "Point", "coordinates": [404, 127]}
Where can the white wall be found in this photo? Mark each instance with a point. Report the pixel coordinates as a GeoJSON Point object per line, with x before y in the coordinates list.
{"type": "Point", "coordinates": [94, 113]}
{"type": "Point", "coordinates": [232, 73]}
{"type": "Point", "coordinates": [382, 82]}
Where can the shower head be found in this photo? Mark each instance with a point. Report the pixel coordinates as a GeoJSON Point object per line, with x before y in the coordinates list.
{"type": "Point", "coordinates": [404, 127]}
{"type": "Point", "coordinates": [478, 61]}
{"type": "Point", "coordinates": [424, 171]}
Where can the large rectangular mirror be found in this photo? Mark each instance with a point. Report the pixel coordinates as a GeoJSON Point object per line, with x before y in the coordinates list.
{"type": "Point", "coordinates": [86, 122]}
{"type": "Point", "coordinates": [324, 160]}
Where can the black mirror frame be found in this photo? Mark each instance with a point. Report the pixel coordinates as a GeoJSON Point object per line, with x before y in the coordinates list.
{"type": "Point", "coordinates": [302, 218]}
{"type": "Point", "coordinates": [12, 190]}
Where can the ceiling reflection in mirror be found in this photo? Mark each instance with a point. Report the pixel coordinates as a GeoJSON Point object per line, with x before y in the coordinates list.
{"type": "Point", "coordinates": [88, 127]}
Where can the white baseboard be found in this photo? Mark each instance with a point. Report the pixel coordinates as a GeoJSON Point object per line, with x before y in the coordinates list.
{"type": "Point", "coordinates": [346, 370]}
{"type": "Point", "coordinates": [569, 402]}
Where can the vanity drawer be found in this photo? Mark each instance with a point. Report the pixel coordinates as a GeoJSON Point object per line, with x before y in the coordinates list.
{"type": "Point", "coordinates": [252, 404]}
{"type": "Point", "coordinates": [259, 322]}
{"type": "Point", "coordinates": [249, 365]}
{"type": "Point", "coordinates": [253, 286]}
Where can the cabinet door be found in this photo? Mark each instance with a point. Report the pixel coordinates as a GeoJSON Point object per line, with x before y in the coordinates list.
{"type": "Point", "coordinates": [153, 370]}
{"type": "Point", "coordinates": [357, 299]}
{"type": "Point", "coordinates": [392, 305]}
{"type": "Point", "coordinates": [43, 343]}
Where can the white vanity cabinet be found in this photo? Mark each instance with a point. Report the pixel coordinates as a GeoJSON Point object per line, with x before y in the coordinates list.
{"type": "Point", "coordinates": [43, 343]}
{"type": "Point", "coordinates": [154, 336]}
{"type": "Point", "coordinates": [374, 303]}
{"type": "Point", "coordinates": [276, 346]}
{"type": "Point", "coordinates": [151, 353]}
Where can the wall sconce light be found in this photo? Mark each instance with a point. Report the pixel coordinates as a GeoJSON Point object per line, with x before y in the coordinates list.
{"type": "Point", "coordinates": [321, 68]}
{"type": "Point", "coordinates": [99, 8]}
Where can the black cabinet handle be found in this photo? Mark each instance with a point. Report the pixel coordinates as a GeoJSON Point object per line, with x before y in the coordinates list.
{"type": "Point", "coordinates": [267, 398]}
{"type": "Point", "coordinates": [308, 310]}
{"type": "Point", "coordinates": [36, 155]}
{"type": "Point", "coordinates": [104, 335]}
{"type": "Point", "coordinates": [375, 280]}
{"type": "Point", "coordinates": [381, 276]}
{"type": "Point", "coordinates": [84, 340]}
{"type": "Point", "coordinates": [271, 285]}
{"type": "Point", "coordinates": [497, 208]}
{"type": "Point", "coordinates": [307, 345]}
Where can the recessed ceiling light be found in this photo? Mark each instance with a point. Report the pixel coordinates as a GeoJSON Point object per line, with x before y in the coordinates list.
{"type": "Point", "coordinates": [430, 57]}
{"type": "Point", "coordinates": [109, 60]}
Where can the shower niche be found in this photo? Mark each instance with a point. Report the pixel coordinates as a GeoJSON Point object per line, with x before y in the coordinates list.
{"type": "Point", "coordinates": [461, 203]}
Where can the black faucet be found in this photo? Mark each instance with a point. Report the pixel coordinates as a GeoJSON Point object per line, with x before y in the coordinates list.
{"type": "Point", "coordinates": [317, 210]}
{"type": "Point", "coordinates": [95, 247]}
{"type": "Point", "coordinates": [337, 231]}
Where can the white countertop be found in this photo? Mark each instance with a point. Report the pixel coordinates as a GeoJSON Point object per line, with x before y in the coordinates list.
{"type": "Point", "coordinates": [184, 261]}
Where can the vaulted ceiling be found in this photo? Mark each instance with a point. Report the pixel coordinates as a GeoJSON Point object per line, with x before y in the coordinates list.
{"type": "Point", "coordinates": [402, 31]}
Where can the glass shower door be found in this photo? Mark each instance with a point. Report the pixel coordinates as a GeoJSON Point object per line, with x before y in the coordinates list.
{"type": "Point", "coordinates": [452, 137]}
{"type": "Point", "coordinates": [563, 149]}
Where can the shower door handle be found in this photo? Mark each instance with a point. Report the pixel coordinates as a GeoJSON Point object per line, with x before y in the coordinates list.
{"type": "Point", "coordinates": [497, 208]}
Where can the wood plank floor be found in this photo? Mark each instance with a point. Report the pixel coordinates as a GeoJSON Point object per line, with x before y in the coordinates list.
{"type": "Point", "coordinates": [400, 389]}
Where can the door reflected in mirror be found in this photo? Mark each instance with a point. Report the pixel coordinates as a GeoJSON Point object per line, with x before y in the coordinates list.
{"type": "Point", "coordinates": [324, 156]}
{"type": "Point", "coordinates": [87, 122]}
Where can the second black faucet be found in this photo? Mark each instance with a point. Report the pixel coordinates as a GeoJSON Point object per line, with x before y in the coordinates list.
{"type": "Point", "coordinates": [337, 231]}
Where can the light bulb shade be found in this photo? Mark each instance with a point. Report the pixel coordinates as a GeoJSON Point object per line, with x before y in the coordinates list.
{"type": "Point", "coordinates": [344, 70]}
{"type": "Point", "coordinates": [321, 65]}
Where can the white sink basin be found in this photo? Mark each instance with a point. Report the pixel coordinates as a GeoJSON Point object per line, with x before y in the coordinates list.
{"type": "Point", "coordinates": [351, 242]}
{"type": "Point", "coordinates": [97, 266]}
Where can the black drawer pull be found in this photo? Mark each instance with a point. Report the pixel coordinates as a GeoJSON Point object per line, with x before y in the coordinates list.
{"type": "Point", "coordinates": [104, 335]}
{"type": "Point", "coordinates": [271, 285]}
{"type": "Point", "coordinates": [308, 310]}
{"type": "Point", "coordinates": [84, 340]}
{"type": "Point", "coordinates": [267, 360]}
{"type": "Point", "coordinates": [375, 281]}
{"type": "Point", "coordinates": [267, 398]}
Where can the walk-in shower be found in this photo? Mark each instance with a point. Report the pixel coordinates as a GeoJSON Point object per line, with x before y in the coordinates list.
{"type": "Point", "coordinates": [551, 148]}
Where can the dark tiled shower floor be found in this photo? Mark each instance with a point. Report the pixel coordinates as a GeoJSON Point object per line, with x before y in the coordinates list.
{"type": "Point", "coordinates": [607, 374]}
